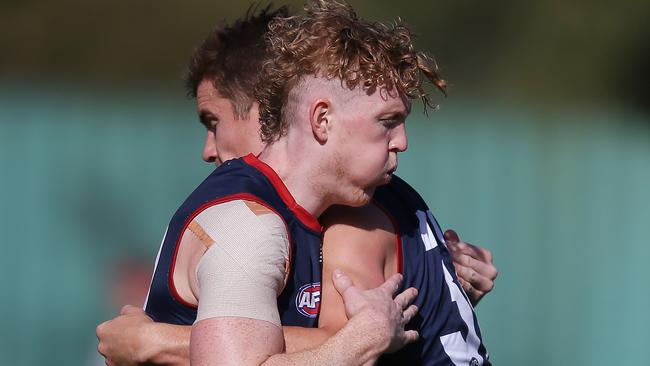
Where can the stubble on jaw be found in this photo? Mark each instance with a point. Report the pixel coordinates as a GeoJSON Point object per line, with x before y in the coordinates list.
{"type": "Point", "coordinates": [361, 195]}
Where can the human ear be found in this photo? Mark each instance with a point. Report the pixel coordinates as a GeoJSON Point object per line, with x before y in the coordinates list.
{"type": "Point", "coordinates": [319, 119]}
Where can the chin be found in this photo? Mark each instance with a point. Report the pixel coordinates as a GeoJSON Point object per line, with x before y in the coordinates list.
{"type": "Point", "coordinates": [362, 198]}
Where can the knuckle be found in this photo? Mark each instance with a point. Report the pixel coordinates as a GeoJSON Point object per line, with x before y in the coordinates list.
{"type": "Point", "coordinates": [465, 273]}
{"type": "Point", "coordinates": [489, 286]}
{"type": "Point", "coordinates": [414, 291]}
{"type": "Point", "coordinates": [487, 254]}
{"type": "Point", "coordinates": [467, 260]}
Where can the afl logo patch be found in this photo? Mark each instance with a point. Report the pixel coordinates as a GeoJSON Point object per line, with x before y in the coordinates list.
{"type": "Point", "coordinates": [308, 300]}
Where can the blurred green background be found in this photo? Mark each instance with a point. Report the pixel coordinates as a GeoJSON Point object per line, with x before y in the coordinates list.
{"type": "Point", "coordinates": [541, 153]}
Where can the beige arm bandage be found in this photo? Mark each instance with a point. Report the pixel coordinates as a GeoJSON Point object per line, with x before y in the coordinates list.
{"type": "Point", "coordinates": [243, 272]}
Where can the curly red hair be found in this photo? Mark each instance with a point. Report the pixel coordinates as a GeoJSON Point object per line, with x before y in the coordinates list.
{"type": "Point", "coordinates": [329, 40]}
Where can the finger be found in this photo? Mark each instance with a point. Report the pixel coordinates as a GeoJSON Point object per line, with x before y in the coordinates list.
{"type": "Point", "coordinates": [487, 270]}
{"type": "Point", "coordinates": [478, 253]}
{"type": "Point", "coordinates": [464, 284]}
{"type": "Point", "coordinates": [452, 236]}
{"type": "Point", "coordinates": [130, 309]}
{"type": "Point", "coordinates": [472, 293]}
{"type": "Point", "coordinates": [392, 284]}
{"type": "Point", "coordinates": [341, 281]}
{"type": "Point", "coordinates": [474, 278]}
{"type": "Point", "coordinates": [467, 287]}
{"type": "Point", "coordinates": [409, 313]}
{"type": "Point", "coordinates": [411, 336]}
{"type": "Point", "coordinates": [406, 297]}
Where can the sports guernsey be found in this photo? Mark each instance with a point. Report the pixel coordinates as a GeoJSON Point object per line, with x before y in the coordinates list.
{"type": "Point", "coordinates": [449, 331]}
{"type": "Point", "coordinates": [249, 179]}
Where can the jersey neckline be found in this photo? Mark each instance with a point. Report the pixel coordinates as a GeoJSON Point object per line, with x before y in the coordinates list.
{"type": "Point", "coordinates": [301, 213]}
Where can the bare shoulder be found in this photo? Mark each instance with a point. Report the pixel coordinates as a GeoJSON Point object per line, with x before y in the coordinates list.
{"type": "Point", "coordinates": [359, 239]}
{"type": "Point", "coordinates": [367, 218]}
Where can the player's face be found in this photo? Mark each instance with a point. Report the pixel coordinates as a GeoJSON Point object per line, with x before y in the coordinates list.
{"type": "Point", "coordinates": [227, 136]}
{"type": "Point", "coordinates": [371, 135]}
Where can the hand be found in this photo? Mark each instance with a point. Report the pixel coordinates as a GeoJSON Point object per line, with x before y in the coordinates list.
{"type": "Point", "coordinates": [119, 340]}
{"type": "Point", "coordinates": [474, 267]}
{"type": "Point", "coordinates": [386, 316]}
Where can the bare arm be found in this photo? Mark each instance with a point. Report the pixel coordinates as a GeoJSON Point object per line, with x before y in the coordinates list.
{"type": "Point", "coordinates": [376, 325]}
{"type": "Point", "coordinates": [298, 339]}
{"type": "Point", "coordinates": [240, 330]}
{"type": "Point", "coordinates": [166, 344]}
{"type": "Point", "coordinates": [359, 241]}
{"type": "Point", "coordinates": [134, 339]}
{"type": "Point", "coordinates": [474, 267]}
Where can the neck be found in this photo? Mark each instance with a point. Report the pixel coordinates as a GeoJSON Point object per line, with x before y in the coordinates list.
{"type": "Point", "coordinates": [299, 170]}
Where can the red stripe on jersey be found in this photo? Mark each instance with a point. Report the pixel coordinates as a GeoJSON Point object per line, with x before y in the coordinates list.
{"type": "Point", "coordinates": [301, 213]}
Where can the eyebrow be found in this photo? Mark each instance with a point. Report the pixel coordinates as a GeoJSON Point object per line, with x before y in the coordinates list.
{"type": "Point", "coordinates": [395, 115]}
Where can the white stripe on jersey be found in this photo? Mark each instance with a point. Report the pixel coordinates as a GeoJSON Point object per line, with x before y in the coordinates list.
{"type": "Point", "coordinates": [428, 238]}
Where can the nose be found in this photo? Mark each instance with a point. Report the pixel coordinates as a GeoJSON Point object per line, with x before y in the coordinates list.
{"type": "Point", "coordinates": [398, 141]}
{"type": "Point", "coordinates": [209, 154]}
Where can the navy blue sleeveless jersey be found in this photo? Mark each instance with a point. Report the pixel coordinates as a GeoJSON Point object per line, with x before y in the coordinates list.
{"type": "Point", "coordinates": [249, 179]}
{"type": "Point", "coordinates": [449, 331]}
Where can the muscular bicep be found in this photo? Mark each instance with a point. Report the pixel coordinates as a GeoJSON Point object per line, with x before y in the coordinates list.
{"type": "Point", "coordinates": [359, 241]}
{"type": "Point", "coordinates": [234, 341]}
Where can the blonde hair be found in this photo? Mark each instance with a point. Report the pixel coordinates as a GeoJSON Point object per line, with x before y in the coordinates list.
{"type": "Point", "coordinates": [330, 41]}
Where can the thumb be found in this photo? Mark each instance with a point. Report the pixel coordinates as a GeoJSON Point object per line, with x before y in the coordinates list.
{"type": "Point", "coordinates": [341, 281]}
{"type": "Point", "coordinates": [451, 236]}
